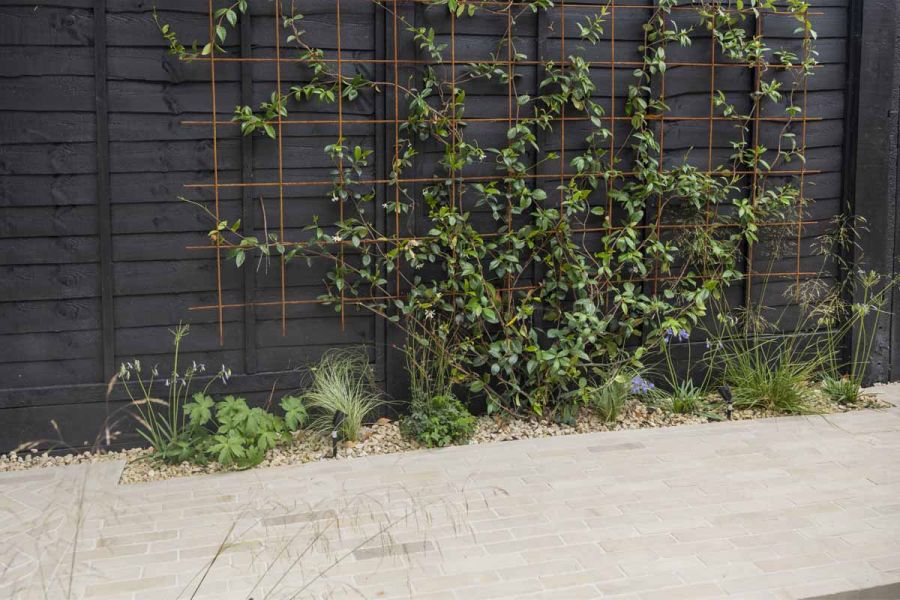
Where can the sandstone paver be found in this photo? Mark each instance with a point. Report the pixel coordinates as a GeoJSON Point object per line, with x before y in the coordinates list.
{"type": "Point", "coordinates": [779, 508]}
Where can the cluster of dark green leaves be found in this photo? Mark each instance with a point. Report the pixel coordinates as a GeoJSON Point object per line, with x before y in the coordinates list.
{"type": "Point", "coordinates": [268, 113]}
{"type": "Point", "coordinates": [230, 432]}
{"type": "Point", "coordinates": [438, 421]}
{"type": "Point", "coordinates": [222, 15]}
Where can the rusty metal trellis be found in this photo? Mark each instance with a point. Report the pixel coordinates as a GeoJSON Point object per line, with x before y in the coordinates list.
{"type": "Point", "coordinates": [393, 63]}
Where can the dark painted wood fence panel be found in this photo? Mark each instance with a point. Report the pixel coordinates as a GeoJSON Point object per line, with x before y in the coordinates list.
{"type": "Point", "coordinates": [94, 153]}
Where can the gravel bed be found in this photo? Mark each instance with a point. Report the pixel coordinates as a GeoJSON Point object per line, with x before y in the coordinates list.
{"type": "Point", "coordinates": [383, 437]}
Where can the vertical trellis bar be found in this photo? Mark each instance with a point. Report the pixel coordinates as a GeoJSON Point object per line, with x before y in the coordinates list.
{"type": "Point", "coordinates": [662, 145]}
{"type": "Point", "coordinates": [383, 154]}
{"type": "Point", "coordinates": [340, 95]}
{"type": "Point", "coordinates": [754, 190]}
{"type": "Point", "coordinates": [215, 141]}
{"type": "Point", "coordinates": [510, 88]}
{"type": "Point", "coordinates": [610, 181]}
{"type": "Point", "coordinates": [712, 108]}
{"type": "Point", "coordinates": [802, 197]}
{"type": "Point", "coordinates": [396, 65]}
{"type": "Point", "coordinates": [540, 71]}
{"type": "Point", "coordinates": [453, 123]}
{"type": "Point", "coordinates": [247, 207]}
{"type": "Point", "coordinates": [562, 113]}
{"type": "Point", "coordinates": [283, 261]}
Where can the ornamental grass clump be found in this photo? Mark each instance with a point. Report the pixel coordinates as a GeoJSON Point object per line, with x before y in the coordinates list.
{"type": "Point", "coordinates": [343, 381]}
{"type": "Point", "coordinates": [770, 380]}
{"type": "Point", "coordinates": [841, 390]}
{"type": "Point", "coordinates": [765, 369]}
{"type": "Point", "coordinates": [610, 400]}
{"type": "Point", "coordinates": [687, 399]}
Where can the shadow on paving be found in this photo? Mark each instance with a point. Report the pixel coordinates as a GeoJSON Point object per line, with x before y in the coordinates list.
{"type": "Point", "coordinates": [881, 592]}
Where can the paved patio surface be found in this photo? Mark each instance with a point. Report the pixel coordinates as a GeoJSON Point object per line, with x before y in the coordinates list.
{"type": "Point", "coordinates": [780, 508]}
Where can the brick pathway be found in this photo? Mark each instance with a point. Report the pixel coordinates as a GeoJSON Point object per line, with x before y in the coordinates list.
{"type": "Point", "coordinates": [781, 508]}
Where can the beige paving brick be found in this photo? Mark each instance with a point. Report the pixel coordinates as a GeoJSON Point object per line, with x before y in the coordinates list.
{"type": "Point", "coordinates": [719, 572]}
{"type": "Point", "coordinates": [503, 589]}
{"type": "Point", "coordinates": [672, 524]}
{"type": "Point", "coordinates": [766, 539]}
{"type": "Point", "coordinates": [819, 588]}
{"type": "Point", "coordinates": [172, 592]}
{"type": "Point", "coordinates": [446, 595]}
{"type": "Point", "coordinates": [578, 592]}
{"type": "Point", "coordinates": [448, 583]}
{"type": "Point", "coordinates": [590, 576]}
{"type": "Point", "coordinates": [644, 541]}
{"type": "Point", "coordinates": [140, 537]}
{"type": "Point", "coordinates": [886, 563]}
{"type": "Point", "coordinates": [712, 532]}
{"type": "Point", "coordinates": [134, 585]}
{"type": "Point", "coordinates": [855, 572]}
{"type": "Point", "coordinates": [695, 548]}
{"type": "Point", "coordinates": [577, 551]}
{"type": "Point", "coordinates": [548, 528]}
{"type": "Point", "coordinates": [794, 562]}
{"type": "Point", "coordinates": [392, 549]}
{"type": "Point", "coordinates": [541, 542]}
{"type": "Point", "coordinates": [108, 552]}
{"type": "Point", "coordinates": [661, 565]}
{"type": "Point", "coordinates": [485, 562]}
{"type": "Point", "coordinates": [637, 585]}
{"type": "Point", "coordinates": [686, 592]}
{"type": "Point", "coordinates": [551, 567]}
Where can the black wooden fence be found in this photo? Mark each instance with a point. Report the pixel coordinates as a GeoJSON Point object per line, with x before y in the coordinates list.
{"type": "Point", "coordinates": [94, 153]}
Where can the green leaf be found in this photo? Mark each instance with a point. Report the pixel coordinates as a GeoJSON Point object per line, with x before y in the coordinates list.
{"type": "Point", "coordinates": [199, 410]}
{"type": "Point", "coordinates": [295, 414]}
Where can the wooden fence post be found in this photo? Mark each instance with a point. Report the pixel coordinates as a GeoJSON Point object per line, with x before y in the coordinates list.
{"type": "Point", "coordinates": [874, 164]}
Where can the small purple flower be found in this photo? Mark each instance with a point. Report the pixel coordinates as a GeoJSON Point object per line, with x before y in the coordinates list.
{"type": "Point", "coordinates": [639, 385]}
{"type": "Point", "coordinates": [682, 335]}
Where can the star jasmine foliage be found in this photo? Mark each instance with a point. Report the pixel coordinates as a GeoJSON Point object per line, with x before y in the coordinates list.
{"type": "Point", "coordinates": [569, 279]}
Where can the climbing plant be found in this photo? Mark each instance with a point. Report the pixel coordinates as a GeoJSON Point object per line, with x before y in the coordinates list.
{"type": "Point", "coordinates": [562, 286]}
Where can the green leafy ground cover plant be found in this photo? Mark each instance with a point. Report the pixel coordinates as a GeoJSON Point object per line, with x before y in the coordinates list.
{"type": "Point", "coordinates": [436, 416]}
{"type": "Point", "coordinates": [438, 421]}
{"type": "Point", "coordinates": [231, 432]}
{"type": "Point", "coordinates": [544, 348]}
